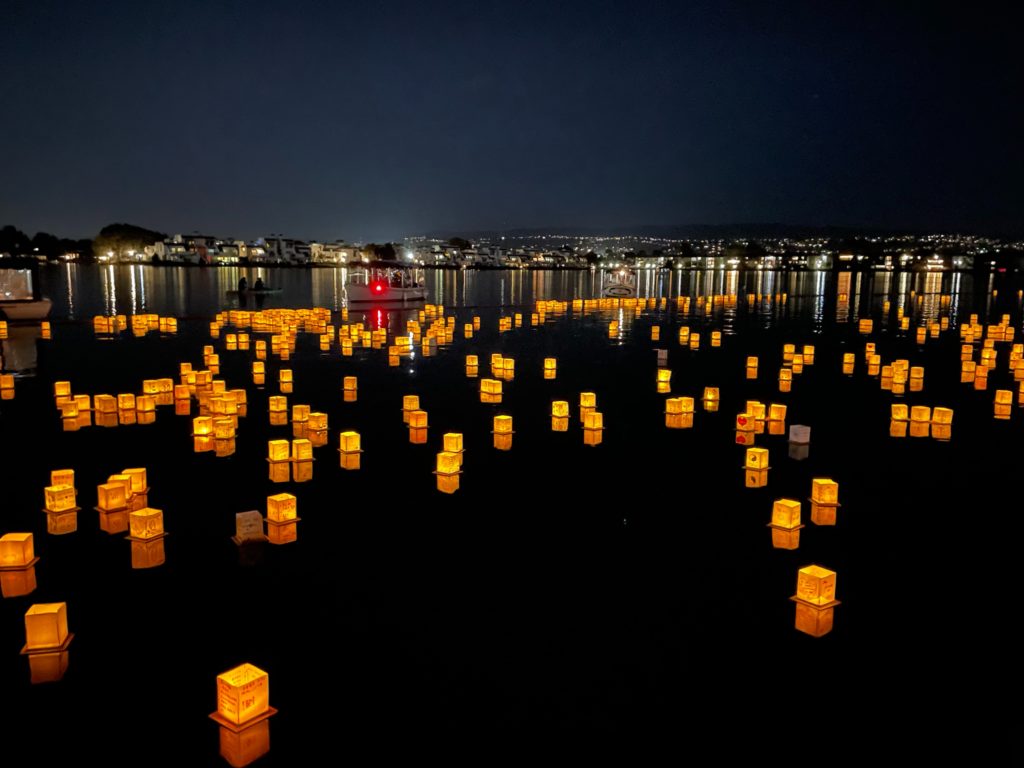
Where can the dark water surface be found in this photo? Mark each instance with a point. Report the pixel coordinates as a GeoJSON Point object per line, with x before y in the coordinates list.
{"type": "Point", "coordinates": [563, 588]}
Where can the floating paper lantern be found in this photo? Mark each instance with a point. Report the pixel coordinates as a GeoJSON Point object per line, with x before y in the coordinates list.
{"type": "Point", "coordinates": [920, 413]}
{"type": "Point", "coordinates": [865, 326]}
{"type": "Point", "coordinates": [1003, 404]}
{"type": "Point", "coordinates": [816, 585]}
{"type": "Point", "coordinates": [126, 402]}
{"type": "Point", "coordinates": [808, 354]}
{"type": "Point", "coordinates": [223, 428]}
{"type": "Point", "coordinates": [942, 416]}
{"type": "Point", "coordinates": [824, 491]}
{"type": "Point", "coordinates": [664, 379]}
{"type": "Point", "coordinates": [111, 496]}
{"type": "Point", "coordinates": [786, 514]}
{"type": "Point", "coordinates": [756, 458]}
{"type": "Point", "coordinates": [46, 627]}
{"type": "Point", "coordinates": [448, 463]}
{"type": "Point", "coordinates": [655, 332]}
{"type": "Point", "coordinates": [716, 338]}
{"type": "Point", "coordinates": [278, 450]}
{"type": "Point", "coordinates": [146, 523]}
{"type": "Point", "coordinates": [899, 412]}
{"type": "Point", "coordinates": [848, 362]}
{"type": "Point", "coordinates": [17, 550]}
{"type": "Point", "coordinates": [694, 341]}
{"type": "Point", "coordinates": [351, 448]}
{"type": "Point", "coordinates": [282, 508]}
{"type": "Point", "coordinates": [776, 412]}
{"type": "Point", "coordinates": [745, 422]}
{"type": "Point", "coordinates": [302, 449]}
{"type": "Point", "coordinates": [317, 421]}
{"type": "Point", "coordinates": [785, 380]}
{"type": "Point", "coordinates": [243, 695]}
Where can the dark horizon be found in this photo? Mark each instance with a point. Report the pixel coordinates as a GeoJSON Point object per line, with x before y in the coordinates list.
{"type": "Point", "coordinates": [372, 124]}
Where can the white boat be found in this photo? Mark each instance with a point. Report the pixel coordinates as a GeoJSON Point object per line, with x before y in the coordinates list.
{"type": "Point", "coordinates": [19, 291]}
{"type": "Point", "coordinates": [619, 283]}
{"type": "Point", "coordinates": [386, 285]}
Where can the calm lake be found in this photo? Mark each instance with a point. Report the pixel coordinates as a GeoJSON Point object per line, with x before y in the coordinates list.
{"type": "Point", "coordinates": [564, 589]}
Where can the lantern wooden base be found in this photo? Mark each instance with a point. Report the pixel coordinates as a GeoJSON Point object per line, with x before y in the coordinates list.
{"type": "Point", "coordinates": [218, 718]}
{"type": "Point", "coordinates": [23, 567]}
{"type": "Point", "coordinates": [148, 538]}
{"type": "Point", "coordinates": [26, 651]}
{"type": "Point", "coordinates": [111, 511]}
{"type": "Point", "coordinates": [47, 511]}
{"type": "Point", "coordinates": [249, 540]}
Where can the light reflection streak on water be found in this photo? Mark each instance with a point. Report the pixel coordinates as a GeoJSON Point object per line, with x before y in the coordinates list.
{"type": "Point", "coordinates": [132, 293]}
{"type": "Point", "coordinates": [142, 282]}
{"type": "Point", "coordinates": [880, 294]}
{"type": "Point", "coordinates": [931, 297]}
{"type": "Point", "coordinates": [110, 289]}
{"type": "Point", "coordinates": [954, 301]}
{"type": "Point", "coordinates": [731, 287]}
{"type": "Point", "coordinates": [855, 299]}
{"type": "Point", "coordinates": [71, 290]}
{"type": "Point", "coordinates": [818, 314]}
{"type": "Point", "coordinates": [903, 293]}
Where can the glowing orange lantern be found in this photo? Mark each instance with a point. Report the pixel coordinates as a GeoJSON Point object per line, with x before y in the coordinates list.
{"type": "Point", "coordinates": [112, 496]}
{"type": "Point", "coordinates": [282, 508]}
{"type": "Point", "coordinates": [278, 450]}
{"type": "Point", "coordinates": [243, 696]}
{"type": "Point", "coordinates": [17, 551]}
{"type": "Point", "coordinates": [824, 491]}
{"type": "Point", "coordinates": [46, 627]}
{"type": "Point", "coordinates": [146, 523]}
{"type": "Point", "coordinates": [1003, 404]}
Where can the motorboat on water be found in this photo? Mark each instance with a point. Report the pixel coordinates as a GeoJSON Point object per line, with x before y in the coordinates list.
{"type": "Point", "coordinates": [20, 299]}
{"type": "Point", "coordinates": [386, 284]}
{"type": "Point", "coordinates": [618, 283]}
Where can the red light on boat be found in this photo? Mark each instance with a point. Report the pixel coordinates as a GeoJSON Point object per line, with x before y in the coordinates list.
{"type": "Point", "coordinates": [378, 287]}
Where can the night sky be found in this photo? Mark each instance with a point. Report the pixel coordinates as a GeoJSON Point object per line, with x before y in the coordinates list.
{"type": "Point", "coordinates": [372, 121]}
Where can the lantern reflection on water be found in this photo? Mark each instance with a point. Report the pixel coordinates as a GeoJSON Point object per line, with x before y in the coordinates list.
{"type": "Point", "coordinates": [148, 554]}
{"type": "Point", "coordinates": [17, 582]}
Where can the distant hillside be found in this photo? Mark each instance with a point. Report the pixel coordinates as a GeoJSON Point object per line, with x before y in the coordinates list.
{"type": "Point", "coordinates": [681, 232]}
